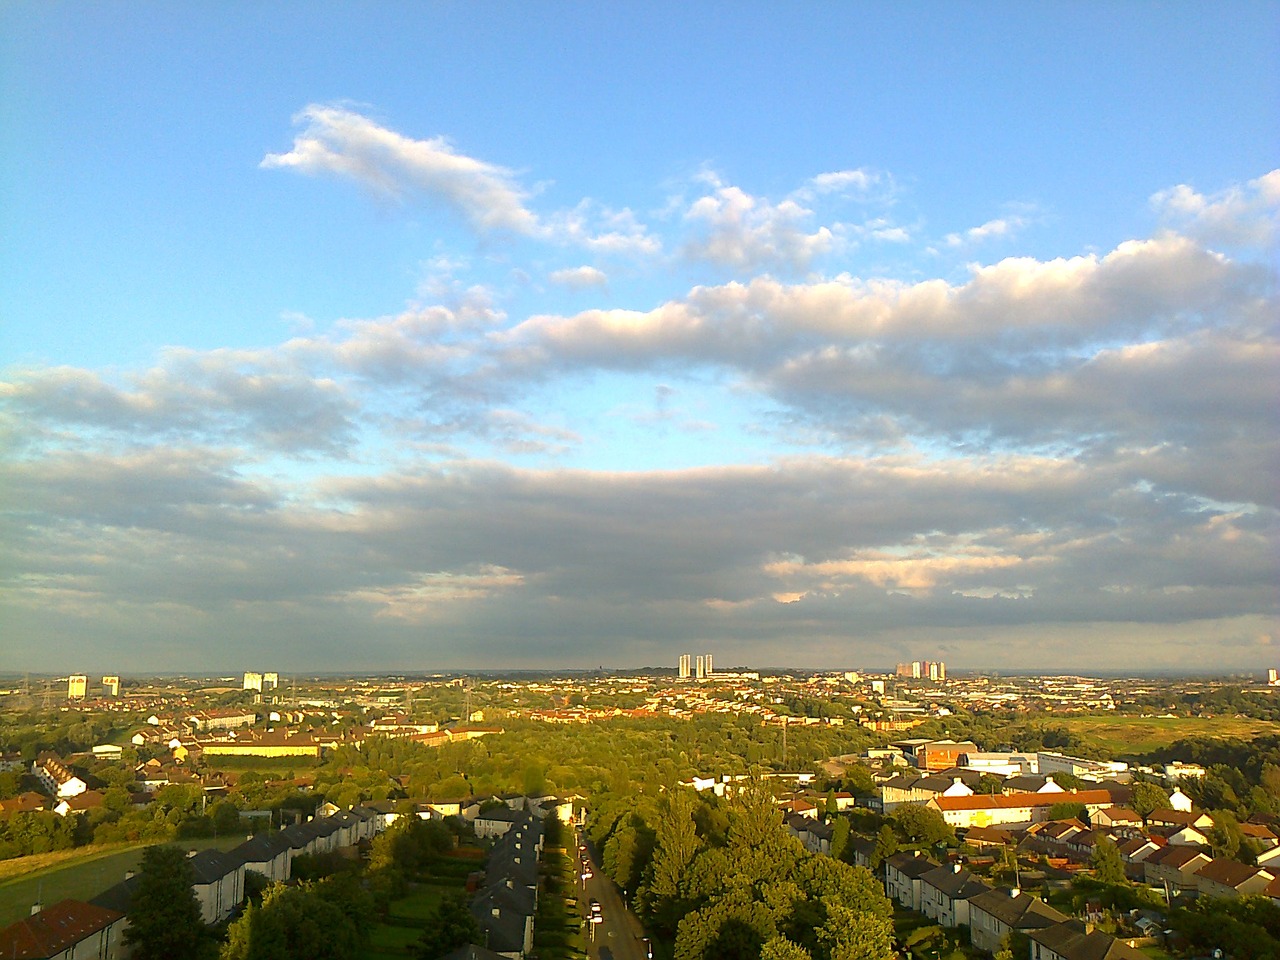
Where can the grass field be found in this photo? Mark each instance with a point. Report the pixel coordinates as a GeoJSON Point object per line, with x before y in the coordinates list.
{"type": "Point", "coordinates": [408, 916]}
{"type": "Point", "coordinates": [1126, 736]}
{"type": "Point", "coordinates": [82, 875]}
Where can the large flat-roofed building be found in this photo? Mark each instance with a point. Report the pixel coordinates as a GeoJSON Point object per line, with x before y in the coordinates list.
{"type": "Point", "coordinates": [111, 686]}
{"type": "Point", "coordinates": [77, 686]}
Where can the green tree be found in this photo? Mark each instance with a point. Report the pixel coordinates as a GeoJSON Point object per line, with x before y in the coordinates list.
{"type": "Point", "coordinates": [164, 916]}
{"type": "Point", "coordinates": [451, 926]}
{"type": "Point", "coordinates": [839, 837]}
{"type": "Point", "coordinates": [292, 923]}
{"type": "Point", "coordinates": [1107, 864]}
{"type": "Point", "coordinates": [1148, 797]}
{"type": "Point", "coordinates": [851, 934]}
{"type": "Point", "coordinates": [916, 823]}
{"type": "Point", "coordinates": [1069, 810]}
{"type": "Point", "coordinates": [676, 843]}
{"type": "Point", "coordinates": [886, 846]}
{"type": "Point", "coordinates": [780, 948]}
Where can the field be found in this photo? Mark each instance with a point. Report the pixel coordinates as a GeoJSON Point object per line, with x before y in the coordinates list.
{"type": "Point", "coordinates": [408, 916]}
{"type": "Point", "coordinates": [80, 874]}
{"type": "Point", "coordinates": [1125, 736]}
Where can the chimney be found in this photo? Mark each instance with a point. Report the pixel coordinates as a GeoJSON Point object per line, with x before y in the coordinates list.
{"type": "Point", "coordinates": [955, 868]}
{"type": "Point", "coordinates": [494, 911]}
{"type": "Point", "coordinates": [1014, 893]}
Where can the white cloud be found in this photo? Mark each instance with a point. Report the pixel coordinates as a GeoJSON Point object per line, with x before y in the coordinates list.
{"type": "Point", "coordinates": [1246, 215]}
{"type": "Point", "coordinates": [1000, 227]}
{"type": "Point", "coordinates": [339, 141]}
{"type": "Point", "coordinates": [735, 229]}
{"type": "Point", "coordinates": [579, 278]}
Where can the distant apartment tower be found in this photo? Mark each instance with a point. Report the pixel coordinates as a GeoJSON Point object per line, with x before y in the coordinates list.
{"type": "Point", "coordinates": [253, 681]}
{"type": "Point", "coordinates": [922, 670]}
{"type": "Point", "coordinates": [684, 666]}
{"type": "Point", "coordinates": [77, 686]}
{"type": "Point", "coordinates": [700, 667]}
{"type": "Point", "coordinates": [270, 681]}
{"type": "Point", "coordinates": [111, 685]}
{"type": "Point", "coordinates": [1273, 678]}
{"type": "Point", "coordinates": [707, 658]}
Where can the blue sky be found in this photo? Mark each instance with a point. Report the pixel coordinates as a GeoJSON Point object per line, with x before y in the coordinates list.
{"type": "Point", "coordinates": [481, 335]}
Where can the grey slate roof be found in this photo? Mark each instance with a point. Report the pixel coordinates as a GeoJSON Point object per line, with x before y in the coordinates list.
{"type": "Point", "coordinates": [1069, 941]}
{"type": "Point", "coordinates": [1023, 912]}
{"type": "Point", "coordinates": [955, 884]}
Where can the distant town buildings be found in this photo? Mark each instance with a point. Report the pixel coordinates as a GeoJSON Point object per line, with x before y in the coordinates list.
{"type": "Point", "coordinates": [698, 668]}
{"type": "Point", "coordinates": [261, 681]}
{"type": "Point", "coordinates": [77, 686]}
{"type": "Point", "coordinates": [934, 670]}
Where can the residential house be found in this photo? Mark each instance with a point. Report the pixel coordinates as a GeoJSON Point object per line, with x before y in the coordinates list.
{"type": "Point", "coordinates": [227, 719]}
{"type": "Point", "coordinates": [1031, 783]}
{"type": "Point", "coordinates": [986, 838]}
{"type": "Point", "coordinates": [1260, 834]}
{"type": "Point", "coordinates": [504, 913]}
{"type": "Point", "coordinates": [496, 822]}
{"type": "Point", "coordinates": [993, 914]}
{"type": "Point", "coordinates": [1174, 867]}
{"type": "Point", "coordinates": [1168, 817]}
{"type": "Point", "coordinates": [913, 788]}
{"type": "Point", "coordinates": [1230, 878]}
{"type": "Point", "coordinates": [219, 883]}
{"type": "Point", "coordinates": [902, 873]}
{"type": "Point", "coordinates": [80, 803]}
{"type": "Point", "coordinates": [863, 848]}
{"type": "Point", "coordinates": [945, 892]}
{"type": "Point", "coordinates": [27, 802]}
{"type": "Point", "coordinates": [56, 777]}
{"type": "Point", "coordinates": [1118, 819]}
{"type": "Point", "coordinates": [68, 929]}
{"type": "Point", "coordinates": [1180, 801]}
{"type": "Point", "coordinates": [1134, 852]}
{"type": "Point", "coordinates": [267, 854]}
{"type": "Point", "coordinates": [1020, 808]}
{"type": "Point", "coordinates": [1074, 941]}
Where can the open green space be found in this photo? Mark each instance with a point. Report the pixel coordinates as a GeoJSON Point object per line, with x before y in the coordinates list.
{"type": "Point", "coordinates": [83, 877]}
{"type": "Point", "coordinates": [278, 768]}
{"type": "Point", "coordinates": [421, 904]}
{"type": "Point", "coordinates": [1128, 735]}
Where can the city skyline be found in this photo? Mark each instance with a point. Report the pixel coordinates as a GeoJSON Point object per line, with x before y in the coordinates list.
{"type": "Point", "coordinates": [455, 338]}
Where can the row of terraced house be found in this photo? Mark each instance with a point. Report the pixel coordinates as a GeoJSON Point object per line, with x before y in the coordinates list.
{"type": "Point", "coordinates": [94, 930]}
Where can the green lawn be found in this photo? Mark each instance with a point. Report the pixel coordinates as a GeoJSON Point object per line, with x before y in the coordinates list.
{"type": "Point", "coordinates": [392, 937]}
{"type": "Point", "coordinates": [421, 905]}
{"type": "Point", "coordinates": [83, 878]}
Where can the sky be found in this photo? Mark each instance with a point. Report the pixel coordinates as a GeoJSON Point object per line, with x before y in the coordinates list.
{"type": "Point", "coordinates": [432, 336]}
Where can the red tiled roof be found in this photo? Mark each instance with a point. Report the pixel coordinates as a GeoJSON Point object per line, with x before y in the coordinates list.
{"type": "Point", "coordinates": [53, 930]}
{"type": "Point", "coordinates": [983, 802]}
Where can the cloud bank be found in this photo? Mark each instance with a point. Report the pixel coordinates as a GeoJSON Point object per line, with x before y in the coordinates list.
{"type": "Point", "coordinates": [1031, 462]}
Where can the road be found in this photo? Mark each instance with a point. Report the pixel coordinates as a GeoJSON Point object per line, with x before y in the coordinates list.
{"type": "Point", "coordinates": [619, 935]}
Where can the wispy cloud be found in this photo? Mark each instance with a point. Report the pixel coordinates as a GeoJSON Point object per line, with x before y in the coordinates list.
{"type": "Point", "coordinates": [579, 278]}
{"type": "Point", "coordinates": [338, 141]}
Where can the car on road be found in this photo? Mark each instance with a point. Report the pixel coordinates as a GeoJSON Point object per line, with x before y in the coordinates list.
{"type": "Point", "coordinates": [595, 907]}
